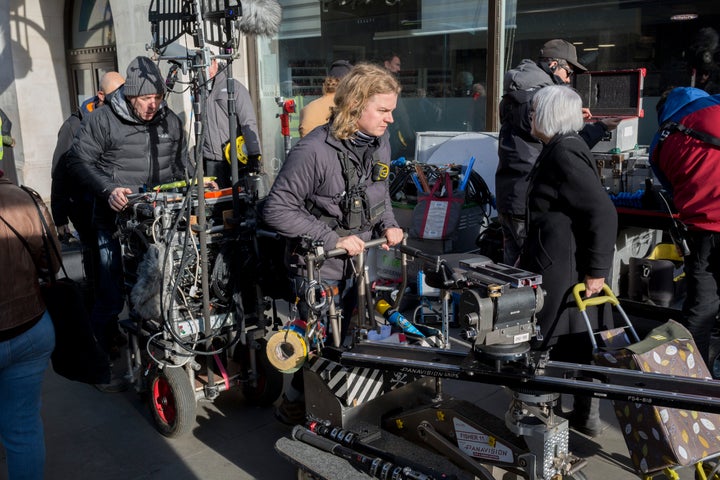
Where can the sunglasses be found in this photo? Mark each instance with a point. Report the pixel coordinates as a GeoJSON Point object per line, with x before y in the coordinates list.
{"type": "Point", "coordinates": [569, 70]}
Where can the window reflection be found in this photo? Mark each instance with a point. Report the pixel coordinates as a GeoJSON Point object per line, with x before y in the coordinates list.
{"type": "Point", "coordinates": [442, 46]}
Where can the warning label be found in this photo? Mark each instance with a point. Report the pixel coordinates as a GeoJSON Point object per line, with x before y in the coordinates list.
{"type": "Point", "coordinates": [479, 445]}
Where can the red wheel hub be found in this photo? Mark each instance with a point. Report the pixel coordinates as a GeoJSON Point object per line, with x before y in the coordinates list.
{"type": "Point", "coordinates": [163, 401]}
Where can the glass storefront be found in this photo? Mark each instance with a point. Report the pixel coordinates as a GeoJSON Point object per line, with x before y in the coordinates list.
{"type": "Point", "coordinates": [443, 48]}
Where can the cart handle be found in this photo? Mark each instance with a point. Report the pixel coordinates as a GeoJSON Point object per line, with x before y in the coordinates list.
{"type": "Point", "coordinates": [609, 297]}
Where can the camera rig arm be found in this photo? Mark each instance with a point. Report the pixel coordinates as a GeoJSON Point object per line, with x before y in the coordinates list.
{"type": "Point", "coordinates": [540, 375]}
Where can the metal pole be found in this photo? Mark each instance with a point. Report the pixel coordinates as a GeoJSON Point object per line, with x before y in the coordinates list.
{"type": "Point", "coordinates": [232, 121]}
{"type": "Point", "coordinates": [495, 62]}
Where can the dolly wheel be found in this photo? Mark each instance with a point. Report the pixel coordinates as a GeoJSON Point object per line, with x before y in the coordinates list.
{"type": "Point", "coordinates": [172, 402]}
{"type": "Point", "coordinates": [269, 381]}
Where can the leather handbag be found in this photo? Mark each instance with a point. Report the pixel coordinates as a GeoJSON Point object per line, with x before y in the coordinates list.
{"type": "Point", "coordinates": [77, 355]}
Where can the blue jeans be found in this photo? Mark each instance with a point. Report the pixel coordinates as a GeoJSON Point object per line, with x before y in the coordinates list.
{"type": "Point", "coordinates": [109, 300]}
{"type": "Point", "coordinates": [23, 361]}
{"type": "Point", "coordinates": [702, 303]}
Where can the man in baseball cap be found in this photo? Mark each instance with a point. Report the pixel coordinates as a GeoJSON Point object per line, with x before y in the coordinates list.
{"type": "Point", "coordinates": [561, 50]}
{"type": "Point", "coordinates": [517, 152]}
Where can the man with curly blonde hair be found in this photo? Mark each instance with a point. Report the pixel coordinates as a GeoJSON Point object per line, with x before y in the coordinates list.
{"type": "Point", "coordinates": [329, 173]}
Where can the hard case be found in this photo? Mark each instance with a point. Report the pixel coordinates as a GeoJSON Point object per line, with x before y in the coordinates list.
{"type": "Point", "coordinates": [614, 94]}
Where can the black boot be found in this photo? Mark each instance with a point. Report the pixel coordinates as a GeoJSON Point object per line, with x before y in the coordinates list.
{"type": "Point", "coordinates": [585, 417]}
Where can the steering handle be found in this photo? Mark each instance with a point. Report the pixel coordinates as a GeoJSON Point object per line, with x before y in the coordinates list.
{"type": "Point", "coordinates": [336, 252]}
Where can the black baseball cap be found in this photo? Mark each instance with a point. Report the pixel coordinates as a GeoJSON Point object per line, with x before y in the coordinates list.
{"type": "Point", "coordinates": [562, 49]}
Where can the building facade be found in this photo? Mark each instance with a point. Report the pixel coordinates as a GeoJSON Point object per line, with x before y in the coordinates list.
{"type": "Point", "coordinates": [54, 52]}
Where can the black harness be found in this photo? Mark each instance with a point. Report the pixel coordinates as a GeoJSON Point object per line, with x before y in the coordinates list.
{"type": "Point", "coordinates": [358, 214]}
{"type": "Point", "coordinates": [670, 127]}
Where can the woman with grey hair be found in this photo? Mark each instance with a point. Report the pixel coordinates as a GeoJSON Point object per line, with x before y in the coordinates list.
{"type": "Point", "coordinates": [572, 226]}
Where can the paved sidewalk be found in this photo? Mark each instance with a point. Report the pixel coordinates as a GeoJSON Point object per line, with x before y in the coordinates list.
{"type": "Point", "coordinates": [94, 435]}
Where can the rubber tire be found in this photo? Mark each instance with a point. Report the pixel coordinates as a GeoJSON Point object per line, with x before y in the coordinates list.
{"type": "Point", "coordinates": [172, 402]}
{"type": "Point", "coordinates": [708, 466]}
{"type": "Point", "coordinates": [269, 379]}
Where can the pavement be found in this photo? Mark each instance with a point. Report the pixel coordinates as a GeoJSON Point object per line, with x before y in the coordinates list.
{"type": "Point", "coordinates": [91, 435]}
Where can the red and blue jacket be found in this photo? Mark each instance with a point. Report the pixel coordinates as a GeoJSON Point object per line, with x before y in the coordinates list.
{"type": "Point", "coordinates": [688, 166]}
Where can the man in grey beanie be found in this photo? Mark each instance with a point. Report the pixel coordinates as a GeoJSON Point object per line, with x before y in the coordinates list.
{"type": "Point", "coordinates": [144, 88]}
{"type": "Point", "coordinates": [133, 145]}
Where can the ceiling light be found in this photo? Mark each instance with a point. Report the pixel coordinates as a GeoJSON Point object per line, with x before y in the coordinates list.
{"type": "Point", "coordinates": [606, 45]}
{"type": "Point", "coordinates": [590, 49]}
{"type": "Point", "coordinates": [680, 17]}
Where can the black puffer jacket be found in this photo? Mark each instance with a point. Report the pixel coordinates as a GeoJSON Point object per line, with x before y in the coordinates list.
{"type": "Point", "coordinates": [517, 148]}
{"type": "Point", "coordinates": [313, 172]}
{"type": "Point", "coordinates": [114, 148]}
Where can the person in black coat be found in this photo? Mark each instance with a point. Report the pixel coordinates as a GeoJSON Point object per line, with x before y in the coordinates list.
{"type": "Point", "coordinates": [572, 227]}
{"type": "Point", "coordinates": [518, 148]}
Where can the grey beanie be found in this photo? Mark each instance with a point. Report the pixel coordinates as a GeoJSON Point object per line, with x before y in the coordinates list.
{"type": "Point", "coordinates": [143, 77]}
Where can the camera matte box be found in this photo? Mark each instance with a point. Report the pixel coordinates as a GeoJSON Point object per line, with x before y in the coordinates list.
{"type": "Point", "coordinates": [613, 93]}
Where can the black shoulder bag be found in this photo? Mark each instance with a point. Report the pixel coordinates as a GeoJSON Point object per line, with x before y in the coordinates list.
{"type": "Point", "coordinates": [77, 355]}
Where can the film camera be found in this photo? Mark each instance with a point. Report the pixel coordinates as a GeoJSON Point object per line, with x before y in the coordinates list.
{"type": "Point", "coordinates": [496, 307]}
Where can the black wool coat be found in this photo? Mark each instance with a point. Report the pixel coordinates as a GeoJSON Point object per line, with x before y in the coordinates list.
{"type": "Point", "coordinates": [572, 228]}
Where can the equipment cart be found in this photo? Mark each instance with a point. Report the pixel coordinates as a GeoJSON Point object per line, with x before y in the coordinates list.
{"type": "Point", "coordinates": [198, 303]}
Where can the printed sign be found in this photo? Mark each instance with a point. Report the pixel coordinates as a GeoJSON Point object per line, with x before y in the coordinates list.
{"type": "Point", "coordinates": [477, 444]}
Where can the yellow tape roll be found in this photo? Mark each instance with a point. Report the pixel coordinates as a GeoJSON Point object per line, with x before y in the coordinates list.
{"type": "Point", "coordinates": [242, 154]}
{"type": "Point", "coordinates": [287, 351]}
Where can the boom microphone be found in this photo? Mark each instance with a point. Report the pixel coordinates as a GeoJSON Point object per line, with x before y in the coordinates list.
{"type": "Point", "coordinates": [260, 17]}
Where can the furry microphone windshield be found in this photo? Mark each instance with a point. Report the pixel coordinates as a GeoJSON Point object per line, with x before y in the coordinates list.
{"type": "Point", "coordinates": [260, 17]}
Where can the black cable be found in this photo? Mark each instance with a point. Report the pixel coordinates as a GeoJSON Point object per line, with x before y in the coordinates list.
{"type": "Point", "coordinates": [168, 324]}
